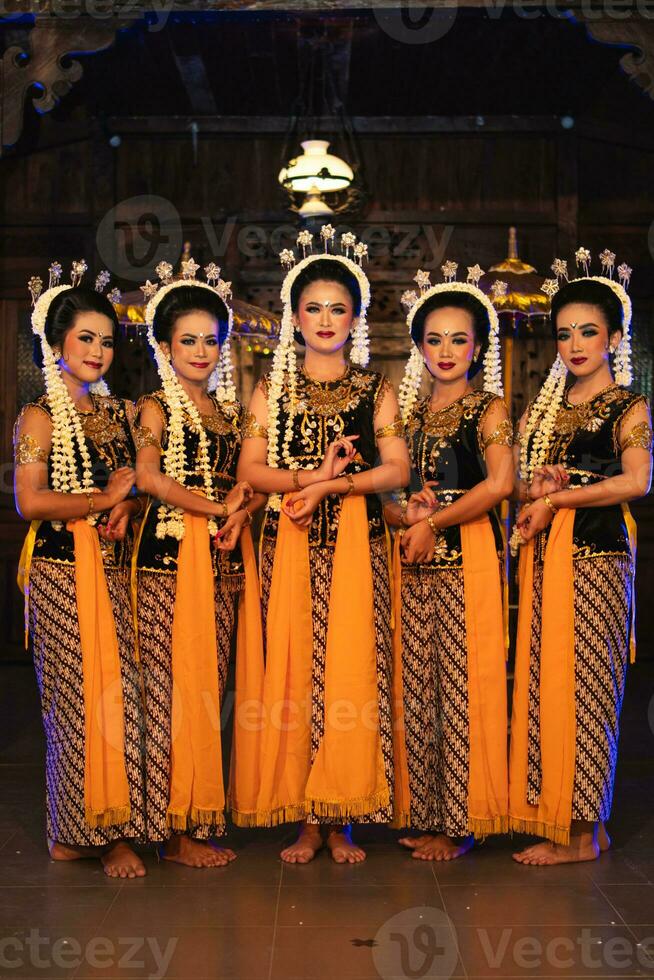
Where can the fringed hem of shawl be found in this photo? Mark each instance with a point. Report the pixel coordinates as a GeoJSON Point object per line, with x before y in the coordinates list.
{"type": "Point", "coordinates": [558, 835]}
{"type": "Point", "coordinates": [194, 818]}
{"type": "Point", "coordinates": [341, 811]}
{"type": "Point", "coordinates": [108, 818]}
{"type": "Point", "coordinates": [482, 827]}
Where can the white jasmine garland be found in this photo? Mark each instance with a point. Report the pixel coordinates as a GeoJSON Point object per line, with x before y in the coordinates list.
{"type": "Point", "coordinates": [171, 519]}
{"type": "Point", "coordinates": [67, 430]}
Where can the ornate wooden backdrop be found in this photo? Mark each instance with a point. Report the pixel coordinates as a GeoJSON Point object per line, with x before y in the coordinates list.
{"type": "Point", "coordinates": [439, 185]}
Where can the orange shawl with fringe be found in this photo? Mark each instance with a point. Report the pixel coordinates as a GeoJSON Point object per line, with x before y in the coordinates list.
{"type": "Point", "coordinates": [106, 790]}
{"type": "Point", "coordinates": [487, 705]}
{"type": "Point", "coordinates": [551, 818]}
{"type": "Point", "coordinates": [347, 776]}
{"type": "Point", "coordinates": [197, 792]}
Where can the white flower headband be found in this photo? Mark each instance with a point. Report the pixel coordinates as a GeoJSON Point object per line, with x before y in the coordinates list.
{"type": "Point", "coordinates": [171, 519]}
{"type": "Point", "coordinates": [66, 425]}
{"type": "Point", "coordinates": [284, 360]}
{"type": "Point", "coordinates": [542, 417]}
{"type": "Point", "coordinates": [412, 302]}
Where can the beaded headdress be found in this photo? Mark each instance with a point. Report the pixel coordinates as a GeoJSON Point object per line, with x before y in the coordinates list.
{"type": "Point", "coordinates": [284, 361]}
{"type": "Point", "coordinates": [413, 301]}
{"type": "Point", "coordinates": [67, 428]}
{"type": "Point", "coordinates": [541, 420]}
{"type": "Point", "coordinates": [171, 519]}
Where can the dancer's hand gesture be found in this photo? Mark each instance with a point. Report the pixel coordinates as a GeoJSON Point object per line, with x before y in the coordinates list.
{"type": "Point", "coordinates": [339, 455]}
{"type": "Point", "coordinates": [422, 504]}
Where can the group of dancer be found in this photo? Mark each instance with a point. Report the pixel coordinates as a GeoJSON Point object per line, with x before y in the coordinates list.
{"type": "Point", "coordinates": [370, 674]}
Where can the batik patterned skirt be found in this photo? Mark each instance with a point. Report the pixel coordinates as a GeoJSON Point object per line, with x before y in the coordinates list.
{"type": "Point", "coordinates": [58, 661]}
{"type": "Point", "coordinates": [321, 561]}
{"type": "Point", "coordinates": [603, 589]}
{"type": "Point", "coordinates": [156, 605]}
{"type": "Point", "coordinates": [435, 685]}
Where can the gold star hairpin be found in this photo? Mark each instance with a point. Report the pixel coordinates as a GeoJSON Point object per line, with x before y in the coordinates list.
{"type": "Point", "coordinates": [475, 272]}
{"type": "Point", "coordinates": [582, 258]}
{"type": "Point", "coordinates": [560, 268]}
{"type": "Point", "coordinates": [165, 272]}
{"type": "Point", "coordinates": [148, 289]}
{"type": "Point", "coordinates": [55, 272]}
{"type": "Point", "coordinates": [449, 270]}
{"type": "Point", "coordinates": [422, 278]}
{"type": "Point", "coordinates": [408, 299]}
{"type": "Point", "coordinates": [607, 258]}
{"type": "Point", "coordinates": [35, 286]}
{"type": "Point", "coordinates": [189, 269]}
{"type": "Point", "coordinates": [212, 272]}
{"type": "Point", "coordinates": [550, 287]}
{"type": "Point", "coordinates": [77, 272]}
{"type": "Point", "coordinates": [499, 289]}
{"type": "Point", "coordinates": [102, 280]}
{"type": "Point", "coordinates": [287, 258]}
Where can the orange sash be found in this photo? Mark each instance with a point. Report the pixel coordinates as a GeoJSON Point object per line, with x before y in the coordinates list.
{"type": "Point", "coordinates": [106, 790]}
{"type": "Point", "coordinates": [552, 817]}
{"type": "Point", "coordinates": [347, 776]}
{"type": "Point", "coordinates": [487, 707]}
{"type": "Point", "coordinates": [246, 747]}
{"type": "Point", "coordinates": [196, 782]}
{"type": "Point", "coordinates": [488, 791]}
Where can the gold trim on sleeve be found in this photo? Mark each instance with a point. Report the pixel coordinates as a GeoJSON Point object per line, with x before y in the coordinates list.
{"type": "Point", "coordinates": [251, 429]}
{"type": "Point", "coordinates": [394, 428]}
{"type": "Point", "coordinates": [27, 450]}
{"type": "Point", "coordinates": [501, 436]}
{"type": "Point", "coordinates": [640, 437]}
{"type": "Point", "coordinates": [144, 437]}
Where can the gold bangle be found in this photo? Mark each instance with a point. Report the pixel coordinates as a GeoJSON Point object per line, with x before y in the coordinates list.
{"type": "Point", "coordinates": [248, 520]}
{"type": "Point", "coordinates": [225, 510]}
{"type": "Point", "coordinates": [350, 481]}
{"type": "Point", "coordinates": [296, 480]}
{"type": "Point", "coordinates": [549, 503]}
{"type": "Point", "coordinates": [91, 501]}
{"type": "Point", "coordinates": [436, 531]}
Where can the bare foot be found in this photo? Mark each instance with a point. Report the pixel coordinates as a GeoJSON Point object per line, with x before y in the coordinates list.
{"type": "Point", "coordinates": [68, 852]}
{"type": "Point", "coordinates": [309, 842]}
{"type": "Point", "coordinates": [120, 861]}
{"type": "Point", "coordinates": [342, 848]}
{"type": "Point", "coordinates": [603, 839]}
{"type": "Point", "coordinates": [583, 848]}
{"type": "Point", "coordinates": [196, 853]}
{"type": "Point", "coordinates": [437, 847]}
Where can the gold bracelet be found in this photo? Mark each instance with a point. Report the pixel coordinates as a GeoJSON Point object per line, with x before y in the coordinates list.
{"type": "Point", "coordinates": [436, 531]}
{"type": "Point", "coordinates": [225, 510]}
{"type": "Point", "coordinates": [249, 517]}
{"type": "Point", "coordinates": [91, 501]}
{"type": "Point", "coordinates": [350, 480]}
{"type": "Point", "coordinates": [296, 480]}
{"type": "Point", "coordinates": [549, 503]}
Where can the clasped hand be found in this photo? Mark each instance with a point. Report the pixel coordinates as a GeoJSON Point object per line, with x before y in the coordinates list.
{"type": "Point", "coordinates": [418, 542]}
{"type": "Point", "coordinates": [535, 515]}
{"type": "Point", "coordinates": [301, 505]}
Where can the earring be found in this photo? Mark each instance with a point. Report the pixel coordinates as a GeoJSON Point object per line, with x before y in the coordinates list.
{"type": "Point", "coordinates": [611, 349]}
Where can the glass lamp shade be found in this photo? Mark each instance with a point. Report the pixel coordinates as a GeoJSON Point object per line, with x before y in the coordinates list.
{"type": "Point", "coordinates": [316, 168]}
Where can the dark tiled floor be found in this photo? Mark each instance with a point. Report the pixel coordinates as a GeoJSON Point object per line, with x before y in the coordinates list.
{"type": "Point", "coordinates": [391, 917]}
